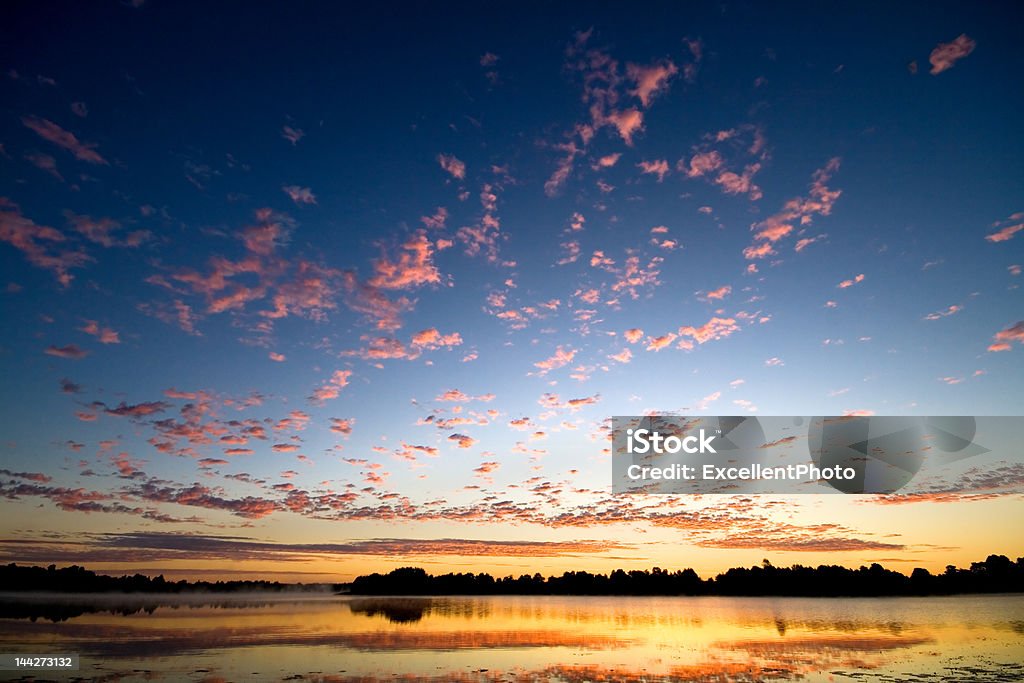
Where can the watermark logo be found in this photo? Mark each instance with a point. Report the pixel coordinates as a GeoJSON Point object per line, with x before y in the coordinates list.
{"type": "Point", "coordinates": [648, 441]}
{"type": "Point", "coordinates": [847, 454]}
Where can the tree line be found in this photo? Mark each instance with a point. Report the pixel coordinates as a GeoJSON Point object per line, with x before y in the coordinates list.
{"type": "Point", "coordinates": [997, 574]}
{"type": "Point", "coordinates": [75, 579]}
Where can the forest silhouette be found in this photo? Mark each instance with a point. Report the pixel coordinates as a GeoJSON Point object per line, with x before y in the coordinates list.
{"type": "Point", "coordinates": [996, 574]}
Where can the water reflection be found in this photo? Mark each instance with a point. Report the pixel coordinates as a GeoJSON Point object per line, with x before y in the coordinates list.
{"type": "Point", "coordinates": [346, 639]}
{"type": "Point", "coordinates": [59, 608]}
{"type": "Point", "coordinates": [406, 610]}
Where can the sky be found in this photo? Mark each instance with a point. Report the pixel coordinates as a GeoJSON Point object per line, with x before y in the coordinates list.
{"type": "Point", "coordinates": [306, 291]}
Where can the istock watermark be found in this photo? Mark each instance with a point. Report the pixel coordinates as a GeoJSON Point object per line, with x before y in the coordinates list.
{"type": "Point", "coordinates": [918, 456]}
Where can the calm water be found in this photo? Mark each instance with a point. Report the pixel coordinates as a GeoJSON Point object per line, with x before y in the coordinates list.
{"type": "Point", "coordinates": [348, 639]}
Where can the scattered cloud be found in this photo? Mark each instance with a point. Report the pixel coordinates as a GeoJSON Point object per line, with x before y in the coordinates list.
{"type": "Point", "coordinates": [104, 334]}
{"type": "Point", "coordinates": [795, 214]}
{"type": "Point", "coordinates": [1007, 228]}
{"type": "Point", "coordinates": [299, 195]}
{"type": "Point", "coordinates": [43, 246]}
{"type": "Point", "coordinates": [1004, 338]}
{"type": "Point", "coordinates": [650, 81]}
{"type": "Point", "coordinates": [331, 389]}
{"type": "Point", "coordinates": [51, 132]}
{"type": "Point", "coordinates": [717, 294]}
{"type": "Point", "coordinates": [452, 165]}
{"type": "Point", "coordinates": [945, 313]}
{"type": "Point", "coordinates": [71, 351]}
{"type": "Point", "coordinates": [292, 135]}
{"type": "Point", "coordinates": [945, 55]}
{"type": "Point", "coordinates": [658, 168]}
{"type": "Point", "coordinates": [850, 283]}
{"type": "Point", "coordinates": [561, 357]}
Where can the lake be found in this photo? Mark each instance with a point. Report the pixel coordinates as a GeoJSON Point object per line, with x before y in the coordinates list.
{"type": "Point", "coordinates": [324, 638]}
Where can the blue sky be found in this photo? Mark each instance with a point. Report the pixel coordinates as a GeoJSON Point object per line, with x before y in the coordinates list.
{"type": "Point", "coordinates": [484, 215]}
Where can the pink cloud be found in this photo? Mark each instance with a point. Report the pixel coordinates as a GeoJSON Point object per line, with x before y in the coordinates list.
{"type": "Point", "coordinates": [633, 335]}
{"type": "Point", "coordinates": [658, 168]}
{"type": "Point", "coordinates": [577, 222]}
{"type": "Point", "coordinates": [609, 160]}
{"type": "Point", "coordinates": [102, 231]}
{"type": "Point", "coordinates": [758, 251]}
{"type": "Point", "coordinates": [599, 260]}
{"type": "Point", "coordinates": [713, 329]}
{"type": "Point", "coordinates": [454, 395]}
{"type": "Point", "coordinates": [705, 402]}
{"type": "Point", "coordinates": [462, 441]}
{"type": "Point", "coordinates": [521, 423]}
{"type": "Point", "coordinates": [44, 162]}
{"type": "Point", "coordinates": [277, 357]}
{"type": "Point", "coordinates": [292, 135]}
{"type": "Point", "coordinates": [374, 304]}
{"type": "Point", "coordinates": [623, 356]}
{"type": "Point", "coordinates": [554, 402]}
{"type": "Point", "coordinates": [719, 293]}
{"type": "Point", "coordinates": [703, 163]}
{"type": "Point", "coordinates": [487, 468]}
{"type": "Point", "coordinates": [299, 195]}
{"type": "Point", "coordinates": [627, 122]}
{"type": "Point", "coordinates": [1006, 233]}
{"type": "Point", "coordinates": [104, 334]}
{"type": "Point", "coordinates": [71, 351]}
{"type": "Point", "coordinates": [733, 183]}
{"type": "Point", "coordinates": [951, 310]}
{"type": "Point", "coordinates": [659, 343]}
{"type": "Point", "coordinates": [51, 132]}
{"type": "Point", "coordinates": [572, 253]}
{"type": "Point", "coordinates": [452, 165]}
{"type": "Point", "coordinates": [632, 277]}
{"type": "Point", "coordinates": [436, 221]}
{"type": "Point", "coordinates": [805, 242]}
{"type": "Point", "coordinates": [485, 235]}
{"type": "Point", "coordinates": [40, 244]}
{"type": "Point", "coordinates": [331, 389]}
{"type": "Point", "coordinates": [1003, 338]}
{"type": "Point", "coordinates": [271, 230]}
{"type": "Point", "coordinates": [414, 266]}
{"type": "Point", "coordinates": [342, 425]}
{"type": "Point", "coordinates": [177, 313]}
{"type": "Point", "coordinates": [945, 55]}
{"type": "Point", "coordinates": [432, 339]}
{"type": "Point", "coordinates": [850, 283]}
{"type": "Point", "coordinates": [126, 467]}
{"type": "Point", "coordinates": [562, 357]}
{"type": "Point", "coordinates": [650, 80]}
{"type": "Point", "coordinates": [795, 214]}
{"type": "Point", "coordinates": [563, 168]}
{"type": "Point", "coordinates": [137, 410]}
